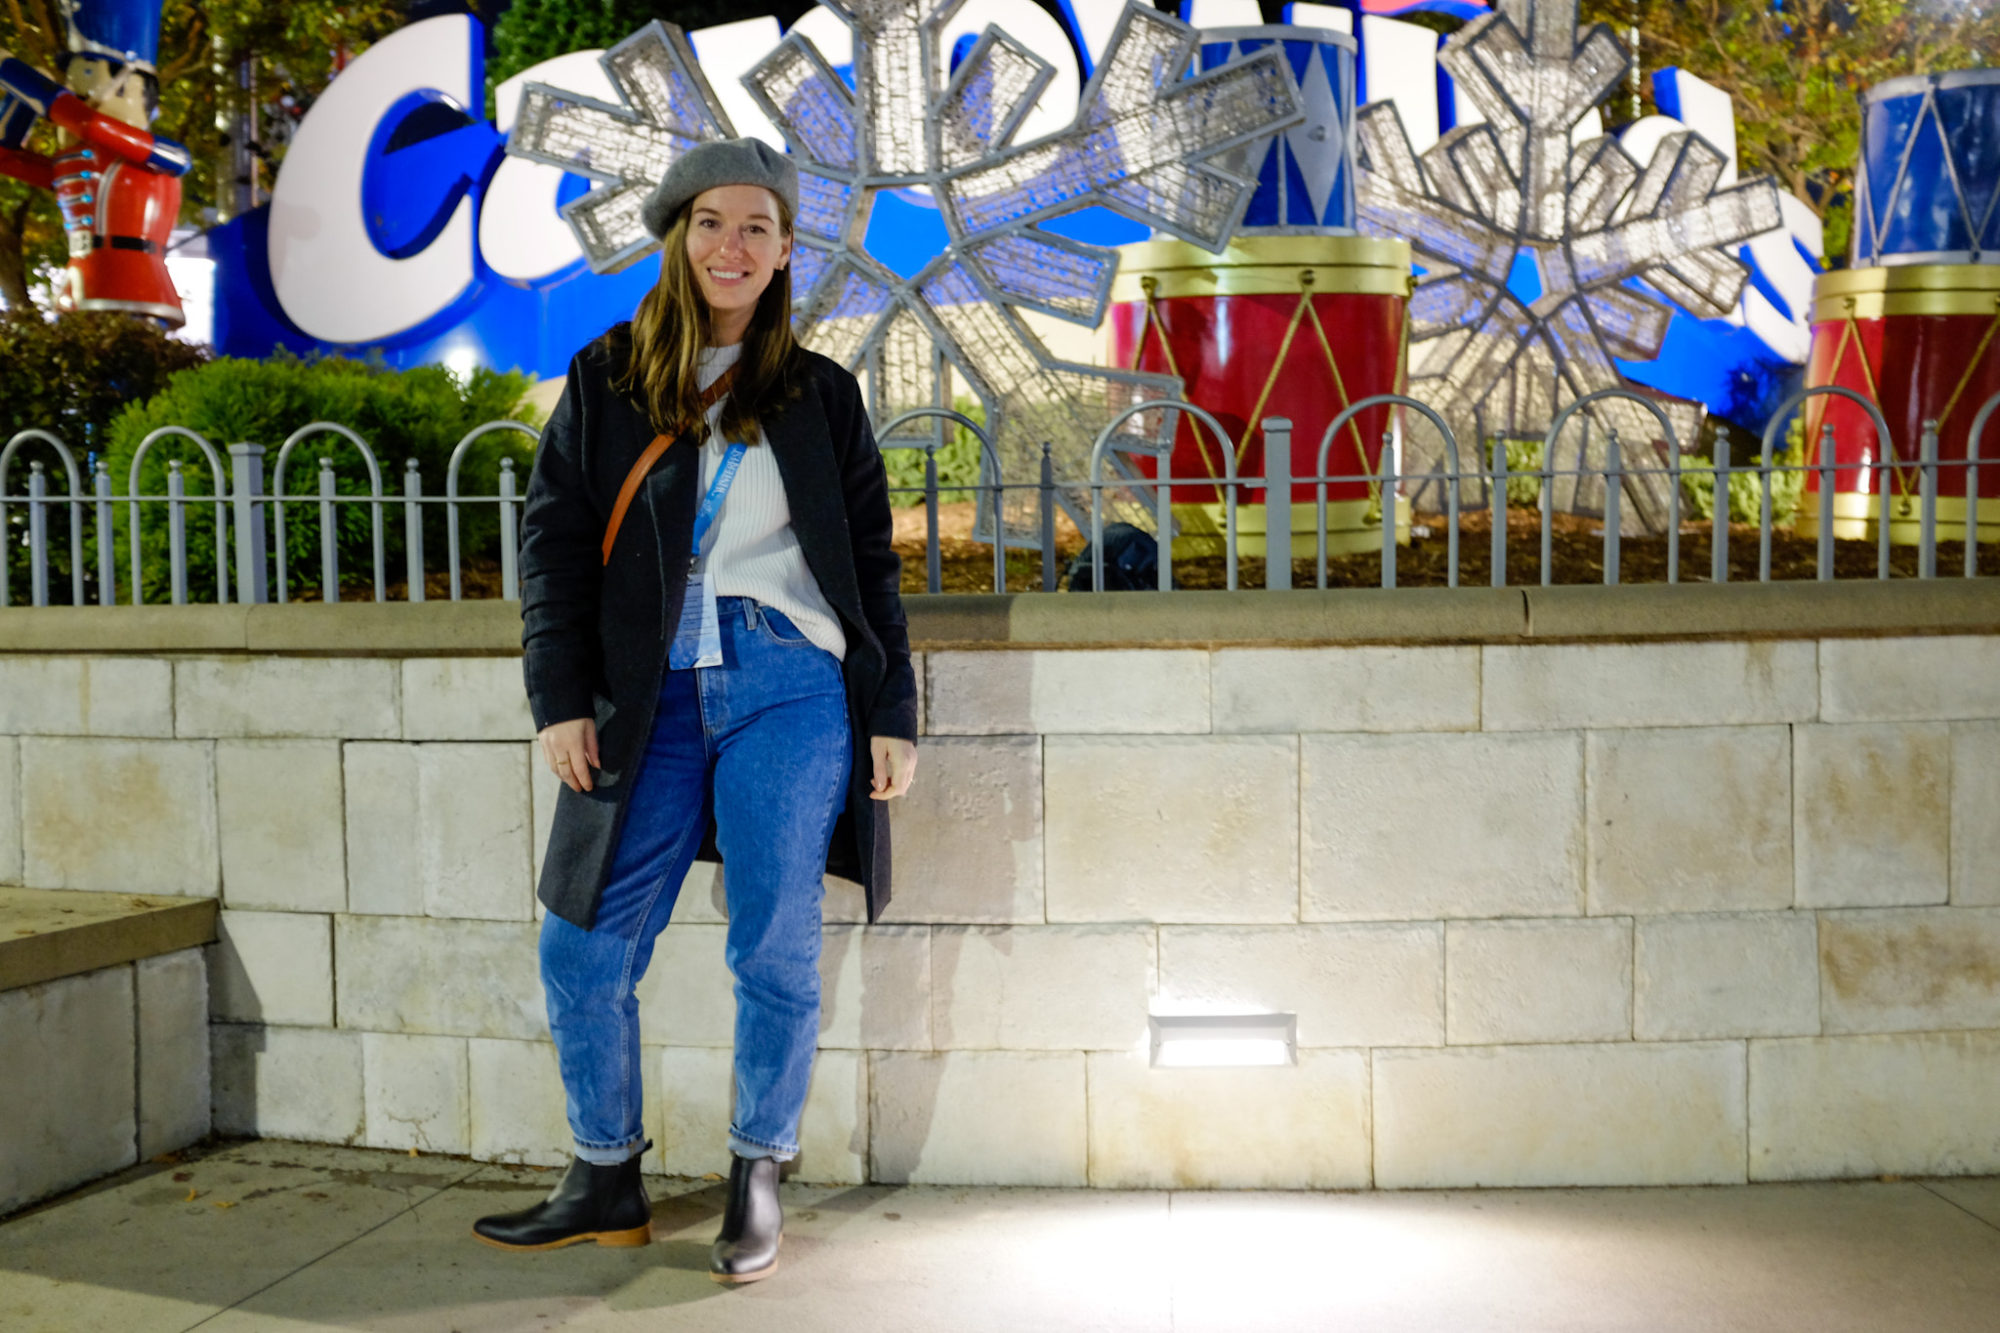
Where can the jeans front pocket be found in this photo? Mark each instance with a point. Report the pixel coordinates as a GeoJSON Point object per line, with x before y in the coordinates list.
{"type": "Point", "coordinates": [779, 628]}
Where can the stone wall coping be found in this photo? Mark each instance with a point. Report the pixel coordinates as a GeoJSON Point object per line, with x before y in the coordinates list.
{"type": "Point", "coordinates": [47, 934]}
{"type": "Point", "coordinates": [1304, 617]}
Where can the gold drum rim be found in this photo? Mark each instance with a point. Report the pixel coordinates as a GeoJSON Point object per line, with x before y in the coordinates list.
{"type": "Point", "coordinates": [1263, 266]}
{"type": "Point", "coordinates": [1856, 517]}
{"type": "Point", "coordinates": [1906, 289]}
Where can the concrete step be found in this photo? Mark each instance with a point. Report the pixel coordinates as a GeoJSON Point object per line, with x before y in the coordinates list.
{"type": "Point", "coordinates": [47, 934]}
{"type": "Point", "coordinates": [103, 1034]}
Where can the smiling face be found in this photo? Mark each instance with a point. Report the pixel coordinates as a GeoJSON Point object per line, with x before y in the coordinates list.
{"type": "Point", "coordinates": [736, 243]}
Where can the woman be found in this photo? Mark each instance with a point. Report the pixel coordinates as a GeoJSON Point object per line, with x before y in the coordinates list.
{"type": "Point", "coordinates": [714, 645]}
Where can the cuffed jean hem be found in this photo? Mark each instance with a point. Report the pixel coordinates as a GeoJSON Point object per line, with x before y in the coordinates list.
{"type": "Point", "coordinates": [748, 1148]}
{"type": "Point", "coordinates": [597, 1156]}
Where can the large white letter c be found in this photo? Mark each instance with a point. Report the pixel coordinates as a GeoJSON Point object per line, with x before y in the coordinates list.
{"type": "Point", "coordinates": [329, 277]}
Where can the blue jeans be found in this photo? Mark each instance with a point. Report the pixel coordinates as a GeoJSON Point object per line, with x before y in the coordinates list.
{"type": "Point", "coordinates": [763, 742]}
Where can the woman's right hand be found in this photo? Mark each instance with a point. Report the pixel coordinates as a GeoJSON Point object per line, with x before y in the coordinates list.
{"type": "Point", "coordinates": [570, 750]}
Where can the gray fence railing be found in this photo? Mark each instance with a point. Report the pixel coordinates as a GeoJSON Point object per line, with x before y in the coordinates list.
{"type": "Point", "coordinates": [251, 561]}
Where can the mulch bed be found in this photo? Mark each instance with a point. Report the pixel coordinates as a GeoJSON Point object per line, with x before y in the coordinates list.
{"type": "Point", "coordinates": [1577, 552]}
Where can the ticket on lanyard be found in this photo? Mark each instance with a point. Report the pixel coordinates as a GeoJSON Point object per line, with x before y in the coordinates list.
{"type": "Point", "coordinates": [698, 637]}
{"type": "Point", "coordinates": [698, 640]}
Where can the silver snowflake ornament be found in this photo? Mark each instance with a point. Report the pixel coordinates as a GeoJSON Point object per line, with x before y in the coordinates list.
{"type": "Point", "coordinates": [1148, 140]}
{"type": "Point", "coordinates": [1545, 259]}
{"type": "Point", "coordinates": [667, 109]}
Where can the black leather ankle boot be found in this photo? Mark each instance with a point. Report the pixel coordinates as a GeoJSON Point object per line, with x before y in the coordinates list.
{"type": "Point", "coordinates": [606, 1204]}
{"type": "Point", "coordinates": [752, 1222]}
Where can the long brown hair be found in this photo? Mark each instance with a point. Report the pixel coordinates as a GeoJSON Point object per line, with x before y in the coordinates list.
{"type": "Point", "coordinates": [661, 348]}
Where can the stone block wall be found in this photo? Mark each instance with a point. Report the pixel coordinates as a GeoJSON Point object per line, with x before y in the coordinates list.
{"type": "Point", "coordinates": [1548, 914]}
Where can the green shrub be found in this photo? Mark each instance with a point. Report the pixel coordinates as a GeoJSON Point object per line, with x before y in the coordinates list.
{"type": "Point", "coordinates": [1524, 469]}
{"type": "Point", "coordinates": [1746, 492]}
{"type": "Point", "coordinates": [420, 413]}
{"type": "Point", "coordinates": [70, 376]}
{"type": "Point", "coordinates": [957, 461]}
{"type": "Point", "coordinates": [1524, 461]}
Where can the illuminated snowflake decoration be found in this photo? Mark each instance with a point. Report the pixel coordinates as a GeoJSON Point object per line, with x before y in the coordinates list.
{"type": "Point", "coordinates": [668, 108]}
{"type": "Point", "coordinates": [1148, 141]}
{"type": "Point", "coordinates": [1512, 204]}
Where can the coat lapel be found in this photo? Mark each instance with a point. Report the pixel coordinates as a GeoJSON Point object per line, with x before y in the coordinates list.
{"type": "Point", "coordinates": [671, 486]}
{"type": "Point", "coordinates": [802, 445]}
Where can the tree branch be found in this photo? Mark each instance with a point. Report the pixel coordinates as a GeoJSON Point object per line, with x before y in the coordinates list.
{"type": "Point", "coordinates": [55, 40]}
{"type": "Point", "coordinates": [190, 56]}
{"type": "Point", "coordinates": [38, 38]}
{"type": "Point", "coordinates": [14, 254]}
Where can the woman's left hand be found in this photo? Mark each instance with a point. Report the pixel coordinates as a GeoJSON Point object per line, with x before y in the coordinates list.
{"type": "Point", "coordinates": [895, 765]}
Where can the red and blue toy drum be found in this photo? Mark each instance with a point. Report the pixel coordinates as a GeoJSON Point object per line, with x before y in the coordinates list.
{"type": "Point", "coordinates": [1922, 342]}
{"type": "Point", "coordinates": [1275, 326]}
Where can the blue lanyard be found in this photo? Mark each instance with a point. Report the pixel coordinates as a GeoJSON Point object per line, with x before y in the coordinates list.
{"type": "Point", "coordinates": [712, 503]}
{"type": "Point", "coordinates": [698, 639]}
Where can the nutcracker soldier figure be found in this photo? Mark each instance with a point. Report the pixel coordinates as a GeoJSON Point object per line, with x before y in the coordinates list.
{"type": "Point", "coordinates": [117, 184]}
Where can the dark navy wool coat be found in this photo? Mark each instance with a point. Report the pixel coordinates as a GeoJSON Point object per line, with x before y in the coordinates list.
{"type": "Point", "coordinates": [595, 636]}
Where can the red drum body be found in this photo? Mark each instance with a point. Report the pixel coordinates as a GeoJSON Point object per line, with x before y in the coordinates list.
{"type": "Point", "coordinates": [1922, 342]}
{"type": "Point", "coordinates": [1276, 326]}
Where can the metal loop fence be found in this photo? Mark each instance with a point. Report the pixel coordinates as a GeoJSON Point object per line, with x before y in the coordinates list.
{"type": "Point", "coordinates": [37, 537]}
{"type": "Point", "coordinates": [219, 515]}
{"type": "Point", "coordinates": [1386, 486]}
{"type": "Point", "coordinates": [1163, 483]}
{"type": "Point", "coordinates": [990, 483]}
{"type": "Point", "coordinates": [329, 545]}
{"type": "Point", "coordinates": [247, 533]}
{"type": "Point", "coordinates": [176, 502]}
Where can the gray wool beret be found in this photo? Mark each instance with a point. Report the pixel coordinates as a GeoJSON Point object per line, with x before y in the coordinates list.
{"type": "Point", "coordinates": [719, 162]}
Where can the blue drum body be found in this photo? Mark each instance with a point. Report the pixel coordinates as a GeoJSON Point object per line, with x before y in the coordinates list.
{"type": "Point", "coordinates": [1305, 180]}
{"type": "Point", "coordinates": [1929, 180]}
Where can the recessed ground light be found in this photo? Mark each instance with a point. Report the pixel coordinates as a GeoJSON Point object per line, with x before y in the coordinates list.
{"type": "Point", "coordinates": [1184, 1041]}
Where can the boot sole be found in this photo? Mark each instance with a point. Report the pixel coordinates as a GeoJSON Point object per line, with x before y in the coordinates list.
{"type": "Point", "coordinates": [616, 1240]}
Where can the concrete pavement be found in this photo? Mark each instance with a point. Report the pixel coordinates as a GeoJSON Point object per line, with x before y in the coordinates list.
{"type": "Point", "coordinates": [283, 1236]}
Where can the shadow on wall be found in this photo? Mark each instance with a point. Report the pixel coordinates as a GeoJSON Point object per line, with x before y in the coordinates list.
{"type": "Point", "coordinates": [235, 1048]}
{"type": "Point", "coordinates": [898, 1126]}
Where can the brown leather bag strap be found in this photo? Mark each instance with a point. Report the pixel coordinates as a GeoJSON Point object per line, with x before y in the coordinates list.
{"type": "Point", "coordinates": [661, 443]}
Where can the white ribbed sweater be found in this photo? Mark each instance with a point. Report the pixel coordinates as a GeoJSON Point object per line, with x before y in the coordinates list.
{"type": "Point", "coordinates": [751, 550]}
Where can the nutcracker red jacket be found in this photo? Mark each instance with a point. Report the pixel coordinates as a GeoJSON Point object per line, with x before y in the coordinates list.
{"type": "Point", "coordinates": [595, 635]}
